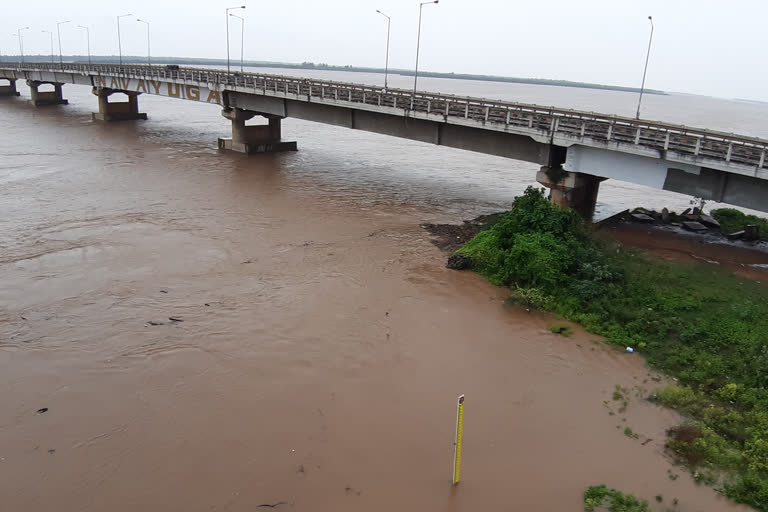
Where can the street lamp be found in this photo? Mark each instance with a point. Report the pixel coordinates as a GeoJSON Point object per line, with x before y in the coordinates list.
{"type": "Point", "coordinates": [58, 32]}
{"type": "Point", "coordinates": [647, 56]}
{"type": "Point", "coordinates": [242, 37]}
{"type": "Point", "coordinates": [119, 43]}
{"type": "Point", "coordinates": [50, 34]}
{"type": "Point", "coordinates": [88, 40]}
{"type": "Point", "coordinates": [149, 61]}
{"type": "Point", "coordinates": [21, 42]}
{"type": "Point", "coordinates": [386, 62]}
{"type": "Point", "coordinates": [227, 11]}
{"type": "Point", "coordinates": [418, 41]}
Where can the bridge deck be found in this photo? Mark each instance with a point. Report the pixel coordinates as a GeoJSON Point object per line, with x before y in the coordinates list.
{"type": "Point", "coordinates": [740, 154]}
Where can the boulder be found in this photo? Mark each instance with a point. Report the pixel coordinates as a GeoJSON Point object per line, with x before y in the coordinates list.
{"type": "Point", "coordinates": [694, 226]}
{"type": "Point", "coordinates": [641, 217]}
{"type": "Point", "coordinates": [665, 216]}
{"type": "Point", "coordinates": [458, 262]}
{"type": "Point", "coordinates": [735, 236]}
{"type": "Point", "coordinates": [752, 232]}
{"type": "Point", "coordinates": [709, 221]}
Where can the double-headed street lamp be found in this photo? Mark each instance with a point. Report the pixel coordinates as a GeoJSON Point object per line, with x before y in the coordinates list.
{"type": "Point", "coordinates": [88, 41]}
{"type": "Point", "coordinates": [21, 42]}
{"type": "Point", "coordinates": [227, 11]}
{"type": "Point", "coordinates": [58, 32]}
{"type": "Point", "coordinates": [242, 37]}
{"type": "Point", "coordinates": [418, 42]}
{"type": "Point", "coordinates": [386, 62]}
{"type": "Point", "coordinates": [647, 56]}
{"type": "Point", "coordinates": [149, 60]}
{"type": "Point", "coordinates": [119, 42]}
{"type": "Point", "coordinates": [50, 34]}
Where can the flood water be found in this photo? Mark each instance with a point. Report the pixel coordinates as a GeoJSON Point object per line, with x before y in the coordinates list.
{"type": "Point", "coordinates": [320, 344]}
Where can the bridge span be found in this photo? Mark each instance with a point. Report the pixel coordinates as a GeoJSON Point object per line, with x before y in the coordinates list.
{"type": "Point", "coordinates": [576, 150]}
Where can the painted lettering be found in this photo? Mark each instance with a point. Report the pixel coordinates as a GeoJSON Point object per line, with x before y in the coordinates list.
{"type": "Point", "coordinates": [214, 97]}
{"type": "Point", "coordinates": [155, 85]}
{"type": "Point", "coordinates": [174, 90]}
{"type": "Point", "coordinates": [126, 82]}
{"type": "Point", "coordinates": [193, 93]}
{"type": "Point", "coordinates": [101, 81]}
{"type": "Point", "coordinates": [141, 87]}
{"type": "Point", "coordinates": [113, 83]}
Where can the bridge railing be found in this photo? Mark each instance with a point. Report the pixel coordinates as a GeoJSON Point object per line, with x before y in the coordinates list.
{"type": "Point", "coordinates": [547, 121]}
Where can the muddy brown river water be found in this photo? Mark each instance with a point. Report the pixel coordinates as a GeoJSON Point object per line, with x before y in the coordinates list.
{"type": "Point", "coordinates": [319, 343]}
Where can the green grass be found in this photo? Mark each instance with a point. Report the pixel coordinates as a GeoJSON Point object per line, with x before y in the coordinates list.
{"type": "Point", "coordinates": [701, 324]}
{"type": "Point", "coordinates": [732, 220]}
{"type": "Point", "coordinates": [601, 496]}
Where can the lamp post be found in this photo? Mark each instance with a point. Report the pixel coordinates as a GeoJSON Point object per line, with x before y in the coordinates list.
{"type": "Point", "coordinates": [58, 32]}
{"type": "Point", "coordinates": [242, 38]}
{"type": "Point", "coordinates": [149, 60]}
{"type": "Point", "coordinates": [227, 11]}
{"type": "Point", "coordinates": [647, 56]}
{"type": "Point", "coordinates": [21, 42]}
{"type": "Point", "coordinates": [50, 34]}
{"type": "Point", "coordinates": [386, 62]}
{"type": "Point", "coordinates": [119, 43]}
{"type": "Point", "coordinates": [88, 40]}
{"type": "Point", "coordinates": [418, 42]}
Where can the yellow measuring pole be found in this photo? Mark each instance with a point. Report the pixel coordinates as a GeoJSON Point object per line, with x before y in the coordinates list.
{"type": "Point", "coordinates": [459, 435]}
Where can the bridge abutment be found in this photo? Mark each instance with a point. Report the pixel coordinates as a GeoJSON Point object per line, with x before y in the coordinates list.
{"type": "Point", "coordinates": [8, 89]}
{"type": "Point", "coordinates": [574, 190]}
{"type": "Point", "coordinates": [260, 138]}
{"type": "Point", "coordinates": [40, 98]}
{"type": "Point", "coordinates": [117, 110]}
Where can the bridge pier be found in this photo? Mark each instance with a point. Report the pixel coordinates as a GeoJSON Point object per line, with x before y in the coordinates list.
{"type": "Point", "coordinates": [38, 98]}
{"type": "Point", "coordinates": [574, 190]}
{"type": "Point", "coordinates": [260, 138]}
{"type": "Point", "coordinates": [117, 110]}
{"type": "Point", "coordinates": [9, 89]}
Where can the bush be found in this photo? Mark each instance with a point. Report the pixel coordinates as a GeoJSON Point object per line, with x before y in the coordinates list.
{"type": "Point", "coordinates": [732, 220]}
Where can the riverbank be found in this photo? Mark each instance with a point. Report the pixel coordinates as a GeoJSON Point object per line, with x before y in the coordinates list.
{"type": "Point", "coordinates": [700, 324]}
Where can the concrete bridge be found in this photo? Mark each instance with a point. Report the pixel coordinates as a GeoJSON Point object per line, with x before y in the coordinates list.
{"type": "Point", "coordinates": [576, 150]}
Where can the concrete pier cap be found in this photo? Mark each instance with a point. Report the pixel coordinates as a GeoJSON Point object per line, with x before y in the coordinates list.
{"type": "Point", "coordinates": [117, 110]}
{"type": "Point", "coordinates": [259, 138]}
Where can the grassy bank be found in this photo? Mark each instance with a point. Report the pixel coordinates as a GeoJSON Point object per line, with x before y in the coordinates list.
{"type": "Point", "coordinates": [703, 325]}
{"type": "Point", "coordinates": [732, 220]}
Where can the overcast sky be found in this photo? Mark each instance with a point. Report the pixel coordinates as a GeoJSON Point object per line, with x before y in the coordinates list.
{"type": "Point", "coordinates": [709, 47]}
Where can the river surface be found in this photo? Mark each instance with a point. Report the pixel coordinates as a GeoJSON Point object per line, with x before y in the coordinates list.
{"type": "Point", "coordinates": [319, 343]}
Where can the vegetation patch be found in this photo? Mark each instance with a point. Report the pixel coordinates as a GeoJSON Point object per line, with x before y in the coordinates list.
{"type": "Point", "coordinates": [561, 328]}
{"type": "Point", "coordinates": [732, 220]}
{"type": "Point", "coordinates": [601, 497]}
{"type": "Point", "coordinates": [701, 324]}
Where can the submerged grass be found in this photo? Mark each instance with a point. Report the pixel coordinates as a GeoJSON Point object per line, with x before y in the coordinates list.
{"type": "Point", "coordinates": [602, 498]}
{"type": "Point", "coordinates": [703, 325]}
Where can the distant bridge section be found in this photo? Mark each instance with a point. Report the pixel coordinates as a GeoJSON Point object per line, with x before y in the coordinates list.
{"type": "Point", "coordinates": [577, 150]}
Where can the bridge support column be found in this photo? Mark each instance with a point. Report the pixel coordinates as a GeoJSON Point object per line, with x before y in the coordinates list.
{"type": "Point", "coordinates": [9, 89]}
{"type": "Point", "coordinates": [260, 138]}
{"type": "Point", "coordinates": [39, 98]}
{"type": "Point", "coordinates": [571, 189]}
{"type": "Point", "coordinates": [117, 110]}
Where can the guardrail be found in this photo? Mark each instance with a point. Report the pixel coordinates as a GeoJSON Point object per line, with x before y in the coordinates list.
{"type": "Point", "coordinates": [548, 121]}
